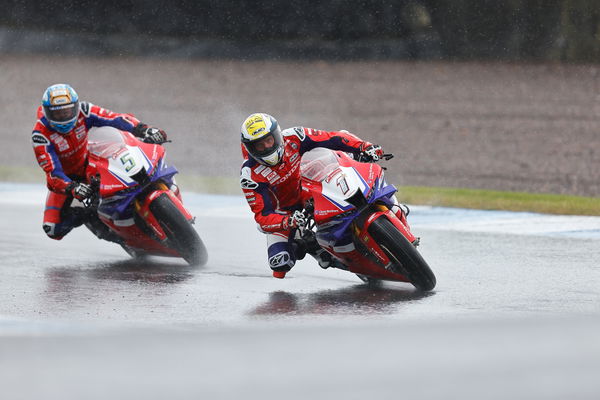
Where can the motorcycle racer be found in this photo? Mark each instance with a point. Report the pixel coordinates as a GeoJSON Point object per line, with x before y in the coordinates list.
{"type": "Point", "coordinates": [270, 180]}
{"type": "Point", "coordinates": [60, 144]}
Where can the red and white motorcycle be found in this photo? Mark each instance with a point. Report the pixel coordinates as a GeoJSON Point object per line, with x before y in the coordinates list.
{"type": "Point", "coordinates": [349, 208]}
{"type": "Point", "coordinates": [136, 202]}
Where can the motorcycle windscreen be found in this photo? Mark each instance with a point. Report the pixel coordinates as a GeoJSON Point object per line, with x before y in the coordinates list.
{"type": "Point", "coordinates": [318, 163]}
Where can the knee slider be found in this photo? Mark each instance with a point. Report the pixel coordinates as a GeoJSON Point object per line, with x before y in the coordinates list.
{"type": "Point", "coordinates": [281, 261]}
{"type": "Point", "coordinates": [49, 229]}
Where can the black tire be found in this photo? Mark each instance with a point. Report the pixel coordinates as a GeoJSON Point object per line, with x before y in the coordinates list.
{"type": "Point", "coordinates": [180, 232]}
{"type": "Point", "coordinates": [406, 258]}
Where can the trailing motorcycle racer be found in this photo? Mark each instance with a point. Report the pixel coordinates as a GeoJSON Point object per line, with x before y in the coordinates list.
{"type": "Point", "coordinates": [270, 180]}
{"type": "Point", "coordinates": [60, 144]}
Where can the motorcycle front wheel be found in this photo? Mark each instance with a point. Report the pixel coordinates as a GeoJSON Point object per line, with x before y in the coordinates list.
{"type": "Point", "coordinates": [405, 257]}
{"type": "Point", "coordinates": [180, 233]}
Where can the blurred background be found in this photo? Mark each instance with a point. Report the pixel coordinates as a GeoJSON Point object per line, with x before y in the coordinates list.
{"type": "Point", "coordinates": [467, 93]}
{"type": "Point", "coordinates": [566, 30]}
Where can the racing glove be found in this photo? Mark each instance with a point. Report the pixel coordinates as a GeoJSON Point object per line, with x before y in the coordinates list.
{"type": "Point", "coordinates": [296, 220]}
{"type": "Point", "coordinates": [80, 191]}
{"type": "Point", "coordinates": [149, 134]}
{"type": "Point", "coordinates": [371, 153]}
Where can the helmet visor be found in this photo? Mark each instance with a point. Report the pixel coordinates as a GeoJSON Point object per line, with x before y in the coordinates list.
{"type": "Point", "coordinates": [264, 146]}
{"type": "Point", "coordinates": [63, 113]}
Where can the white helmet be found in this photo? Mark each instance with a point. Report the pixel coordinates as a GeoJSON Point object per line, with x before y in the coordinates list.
{"type": "Point", "coordinates": [261, 136]}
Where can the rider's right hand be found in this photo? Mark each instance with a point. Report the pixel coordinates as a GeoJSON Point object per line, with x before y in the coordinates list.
{"type": "Point", "coordinates": [80, 191]}
{"type": "Point", "coordinates": [371, 153]}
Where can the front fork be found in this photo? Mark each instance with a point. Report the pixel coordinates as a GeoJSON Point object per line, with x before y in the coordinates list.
{"type": "Point", "coordinates": [142, 208]}
{"type": "Point", "coordinates": [361, 230]}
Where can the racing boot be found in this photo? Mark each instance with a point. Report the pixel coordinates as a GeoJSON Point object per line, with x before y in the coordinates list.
{"type": "Point", "coordinates": [326, 260]}
{"type": "Point", "coordinates": [102, 231]}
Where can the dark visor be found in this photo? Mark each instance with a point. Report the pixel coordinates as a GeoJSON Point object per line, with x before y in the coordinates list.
{"type": "Point", "coordinates": [62, 113]}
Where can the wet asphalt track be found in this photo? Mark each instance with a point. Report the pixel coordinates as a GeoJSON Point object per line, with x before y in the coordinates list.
{"type": "Point", "coordinates": [515, 314]}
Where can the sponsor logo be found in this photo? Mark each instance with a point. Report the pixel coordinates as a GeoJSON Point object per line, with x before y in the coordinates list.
{"type": "Point", "coordinates": [59, 141]}
{"type": "Point", "coordinates": [300, 132]}
{"type": "Point", "coordinates": [279, 259]}
{"type": "Point", "coordinates": [266, 172]}
{"type": "Point", "coordinates": [248, 184]}
{"type": "Point", "coordinates": [272, 177]}
{"type": "Point", "coordinates": [80, 132]}
{"type": "Point", "coordinates": [256, 126]}
{"type": "Point", "coordinates": [108, 187]}
{"type": "Point", "coordinates": [39, 140]}
{"type": "Point", "coordinates": [294, 157]}
{"type": "Point", "coordinates": [85, 107]}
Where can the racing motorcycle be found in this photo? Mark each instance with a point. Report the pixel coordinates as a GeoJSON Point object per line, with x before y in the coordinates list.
{"type": "Point", "coordinates": [348, 205]}
{"type": "Point", "coordinates": [136, 202]}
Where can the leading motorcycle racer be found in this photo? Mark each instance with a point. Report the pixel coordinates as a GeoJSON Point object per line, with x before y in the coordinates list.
{"type": "Point", "coordinates": [270, 180]}
{"type": "Point", "coordinates": [60, 144]}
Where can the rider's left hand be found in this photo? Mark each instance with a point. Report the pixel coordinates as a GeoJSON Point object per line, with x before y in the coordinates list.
{"type": "Point", "coordinates": [150, 134]}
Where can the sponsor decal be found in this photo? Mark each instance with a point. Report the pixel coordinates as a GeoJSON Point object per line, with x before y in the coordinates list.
{"type": "Point", "coordinates": [39, 140]}
{"type": "Point", "coordinates": [256, 126]}
{"type": "Point", "coordinates": [300, 132]}
{"type": "Point", "coordinates": [80, 132]}
{"type": "Point", "coordinates": [85, 108]}
{"type": "Point", "coordinates": [294, 157]}
{"type": "Point", "coordinates": [108, 187]}
{"type": "Point", "coordinates": [248, 184]}
{"type": "Point", "coordinates": [272, 177]}
{"type": "Point", "coordinates": [292, 171]}
{"type": "Point", "coordinates": [266, 172]}
{"type": "Point", "coordinates": [279, 259]}
{"type": "Point", "coordinates": [293, 145]}
{"type": "Point", "coordinates": [332, 174]}
{"type": "Point", "coordinates": [259, 168]}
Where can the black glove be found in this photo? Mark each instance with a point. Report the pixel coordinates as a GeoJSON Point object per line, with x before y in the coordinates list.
{"type": "Point", "coordinates": [80, 191]}
{"type": "Point", "coordinates": [371, 153]}
{"type": "Point", "coordinates": [149, 134]}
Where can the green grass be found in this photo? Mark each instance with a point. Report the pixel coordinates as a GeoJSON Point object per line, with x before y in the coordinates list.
{"type": "Point", "coordinates": [499, 200]}
{"type": "Point", "coordinates": [418, 195]}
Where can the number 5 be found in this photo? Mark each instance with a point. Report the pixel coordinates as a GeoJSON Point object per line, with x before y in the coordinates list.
{"type": "Point", "coordinates": [127, 159]}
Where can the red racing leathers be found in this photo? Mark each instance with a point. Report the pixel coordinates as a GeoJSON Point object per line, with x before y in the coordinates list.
{"type": "Point", "coordinates": [63, 157]}
{"type": "Point", "coordinates": [274, 192]}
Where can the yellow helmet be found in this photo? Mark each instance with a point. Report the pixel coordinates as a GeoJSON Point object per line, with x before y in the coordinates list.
{"type": "Point", "coordinates": [261, 136]}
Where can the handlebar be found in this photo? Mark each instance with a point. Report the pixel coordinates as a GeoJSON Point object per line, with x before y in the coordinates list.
{"type": "Point", "coordinates": [362, 157]}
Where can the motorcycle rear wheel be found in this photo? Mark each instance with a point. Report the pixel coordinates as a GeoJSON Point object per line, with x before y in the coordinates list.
{"type": "Point", "coordinates": [405, 256]}
{"type": "Point", "coordinates": [180, 232]}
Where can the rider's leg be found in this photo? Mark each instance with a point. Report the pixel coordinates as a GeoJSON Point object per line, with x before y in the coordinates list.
{"type": "Point", "coordinates": [59, 219]}
{"type": "Point", "coordinates": [102, 231]}
{"type": "Point", "coordinates": [281, 253]}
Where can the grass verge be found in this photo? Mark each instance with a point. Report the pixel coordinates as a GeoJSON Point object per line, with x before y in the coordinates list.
{"type": "Point", "coordinates": [499, 200]}
{"type": "Point", "coordinates": [418, 195]}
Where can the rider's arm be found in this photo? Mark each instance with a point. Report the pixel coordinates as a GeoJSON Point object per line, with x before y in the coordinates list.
{"type": "Point", "coordinates": [98, 116]}
{"type": "Point", "coordinates": [47, 159]}
{"type": "Point", "coordinates": [259, 199]}
{"type": "Point", "coordinates": [339, 140]}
